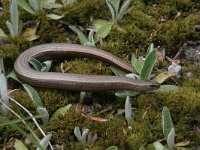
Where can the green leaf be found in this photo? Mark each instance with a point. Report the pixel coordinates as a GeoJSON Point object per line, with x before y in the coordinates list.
{"type": "Point", "coordinates": [3, 94]}
{"type": "Point", "coordinates": [14, 17]}
{"type": "Point", "coordinates": [166, 122]}
{"type": "Point", "coordinates": [44, 142]}
{"type": "Point", "coordinates": [113, 6]}
{"type": "Point", "coordinates": [13, 76]}
{"type": "Point", "coordinates": [46, 65]}
{"type": "Point", "coordinates": [171, 139]}
{"type": "Point", "coordinates": [103, 31]}
{"type": "Point", "coordinates": [162, 77]}
{"type": "Point", "coordinates": [148, 66]}
{"type": "Point", "coordinates": [77, 133]}
{"type": "Point", "coordinates": [158, 146]}
{"type": "Point", "coordinates": [10, 28]}
{"type": "Point", "coordinates": [112, 148]}
{"type": "Point", "coordinates": [19, 145]}
{"type": "Point", "coordinates": [132, 75]}
{"type": "Point", "coordinates": [61, 111]}
{"type": "Point", "coordinates": [52, 5]}
{"type": "Point", "coordinates": [35, 4]}
{"type": "Point", "coordinates": [123, 93]}
{"type": "Point", "coordinates": [167, 88]}
{"type": "Point", "coordinates": [54, 16]}
{"type": "Point", "coordinates": [5, 122]}
{"type": "Point", "coordinates": [83, 39]}
{"type": "Point", "coordinates": [45, 115]}
{"type": "Point", "coordinates": [150, 49]}
{"type": "Point", "coordinates": [128, 110]}
{"type": "Point", "coordinates": [137, 64]}
{"type": "Point", "coordinates": [23, 4]}
{"type": "Point", "coordinates": [182, 144]}
{"type": "Point", "coordinates": [33, 95]}
{"type": "Point", "coordinates": [36, 64]}
{"type": "Point", "coordinates": [123, 9]}
{"type": "Point", "coordinates": [118, 72]}
{"type": "Point", "coordinates": [3, 36]}
{"type": "Point", "coordinates": [84, 136]}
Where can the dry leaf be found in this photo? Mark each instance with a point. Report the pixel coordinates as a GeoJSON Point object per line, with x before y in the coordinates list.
{"type": "Point", "coordinates": [97, 119]}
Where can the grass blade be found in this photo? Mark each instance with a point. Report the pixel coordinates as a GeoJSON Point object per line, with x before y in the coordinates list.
{"type": "Point", "coordinates": [166, 121]}
{"type": "Point", "coordinates": [148, 65]}
{"type": "Point", "coordinates": [123, 9]}
{"type": "Point", "coordinates": [24, 5]}
{"type": "Point", "coordinates": [14, 17]}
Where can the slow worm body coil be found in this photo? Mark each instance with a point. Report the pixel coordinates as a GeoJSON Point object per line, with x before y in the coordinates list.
{"type": "Point", "coordinates": [76, 82]}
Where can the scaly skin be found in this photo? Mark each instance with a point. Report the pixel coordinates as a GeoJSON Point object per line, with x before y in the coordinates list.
{"type": "Point", "coordinates": [77, 82]}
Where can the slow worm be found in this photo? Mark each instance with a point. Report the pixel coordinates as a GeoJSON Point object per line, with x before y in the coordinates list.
{"type": "Point", "coordinates": [76, 82]}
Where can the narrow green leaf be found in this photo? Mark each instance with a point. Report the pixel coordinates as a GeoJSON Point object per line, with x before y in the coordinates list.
{"type": "Point", "coordinates": [182, 144]}
{"type": "Point", "coordinates": [166, 121]}
{"type": "Point", "coordinates": [99, 23]}
{"type": "Point", "coordinates": [158, 146]}
{"type": "Point", "coordinates": [113, 6]}
{"type": "Point", "coordinates": [123, 93]}
{"type": "Point", "coordinates": [77, 133]}
{"type": "Point", "coordinates": [45, 115]}
{"type": "Point", "coordinates": [3, 94]}
{"type": "Point", "coordinates": [83, 39]}
{"type": "Point", "coordinates": [14, 17]}
{"type": "Point", "coordinates": [19, 145]}
{"type": "Point", "coordinates": [128, 110]}
{"type": "Point", "coordinates": [118, 72]}
{"type": "Point", "coordinates": [103, 31]}
{"type": "Point", "coordinates": [10, 28]}
{"type": "Point", "coordinates": [52, 5]}
{"type": "Point", "coordinates": [84, 136]}
{"type": "Point", "coordinates": [3, 36]}
{"type": "Point", "coordinates": [36, 64]}
{"type": "Point", "coordinates": [167, 88]}
{"type": "Point", "coordinates": [137, 64]}
{"type": "Point", "coordinates": [20, 27]}
{"type": "Point", "coordinates": [171, 139]}
{"type": "Point", "coordinates": [6, 122]}
{"type": "Point", "coordinates": [46, 65]}
{"type": "Point", "coordinates": [150, 49]}
{"type": "Point", "coordinates": [35, 4]}
{"type": "Point", "coordinates": [61, 111]}
{"type": "Point", "coordinates": [13, 76]}
{"type": "Point", "coordinates": [33, 95]}
{"type": "Point", "coordinates": [132, 75]}
{"type": "Point", "coordinates": [148, 65]}
{"type": "Point", "coordinates": [123, 9]}
{"type": "Point", "coordinates": [23, 4]}
{"type": "Point", "coordinates": [112, 148]}
{"type": "Point", "coordinates": [44, 142]}
{"type": "Point", "coordinates": [54, 16]}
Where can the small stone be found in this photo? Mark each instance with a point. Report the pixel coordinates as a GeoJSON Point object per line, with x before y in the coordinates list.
{"type": "Point", "coordinates": [174, 67]}
{"type": "Point", "coordinates": [189, 74]}
{"type": "Point", "coordinates": [197, 27]}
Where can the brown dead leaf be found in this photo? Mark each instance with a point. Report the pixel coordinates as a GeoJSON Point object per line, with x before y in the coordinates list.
{"type": "Point", "coordinates": [97, 119]}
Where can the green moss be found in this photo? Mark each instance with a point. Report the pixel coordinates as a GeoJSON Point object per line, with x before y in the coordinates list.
{"type": "Point", "coordinates": [87, 66]}
{"type": "Point", "coordinates": [9, 51]}
{"type": "Point", "coordinates": [81, 13]}
{"type": "Point", "coordinates": [54, 99]}
{"type": "Point", "coordinates": [183, 105]}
